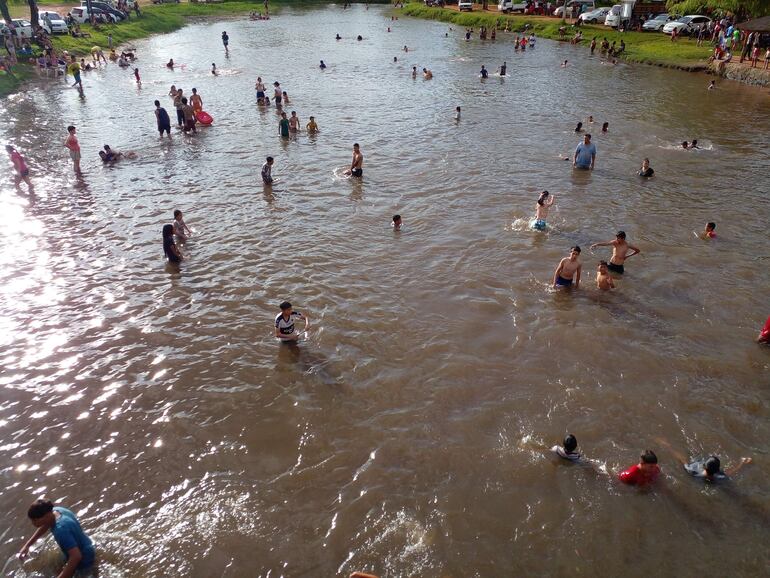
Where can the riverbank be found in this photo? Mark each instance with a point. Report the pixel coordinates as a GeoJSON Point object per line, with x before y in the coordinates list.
{"type": "Point", "coordinates": [155, 19]}
{"type": "Point", "coordinates": [643, 47]}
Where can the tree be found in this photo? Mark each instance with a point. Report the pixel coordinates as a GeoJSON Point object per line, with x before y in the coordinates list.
{"type": "Point", "coordinates": [33, 14]}
{"type": "Point", "coordinates": [743, 9]}
{"type": "Point", "coordinates": [4, 11]}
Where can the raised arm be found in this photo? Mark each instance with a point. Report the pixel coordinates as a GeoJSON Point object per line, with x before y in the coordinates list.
{"type": "Point", "coordinates": [602, 244]}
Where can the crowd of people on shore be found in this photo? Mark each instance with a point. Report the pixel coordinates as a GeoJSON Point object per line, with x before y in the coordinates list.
{"type": "Point", "coordinates": [64, 525]}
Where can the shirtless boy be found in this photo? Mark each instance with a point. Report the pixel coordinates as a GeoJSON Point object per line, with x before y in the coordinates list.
{"type": "Point", "coordinates": [544, 203]}
{"type": "Point", "coordinates": [567, 273]}
{"type": "Point", "coordinates": [603, 278]}
{"type": "Point", "coordinates": [356, 166]}
{"type": "Point", "coordinates": [619, 252]}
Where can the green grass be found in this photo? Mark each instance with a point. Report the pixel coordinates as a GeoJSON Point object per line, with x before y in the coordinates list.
{"type": "Point", "coordinates": [9, 84]}
{"type": "Point", "coordinates": [645, 47]}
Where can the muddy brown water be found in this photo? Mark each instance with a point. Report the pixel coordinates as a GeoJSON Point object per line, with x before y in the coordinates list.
{"type": "Point", "coordinates": [407, 436]}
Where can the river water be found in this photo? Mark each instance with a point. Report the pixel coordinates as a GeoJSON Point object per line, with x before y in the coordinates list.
{"type": "Point", "coordinates": [407, 436]}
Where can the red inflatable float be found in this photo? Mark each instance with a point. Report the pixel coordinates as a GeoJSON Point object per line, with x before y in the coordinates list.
{"type": "Point", "coordinates": [203, 117]}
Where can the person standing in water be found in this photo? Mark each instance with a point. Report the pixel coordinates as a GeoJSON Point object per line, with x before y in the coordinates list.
{"type": "Point", "coordinates": [284, 323]}
{"type": "Point", "coordinates": [79, 553]}
{"type": "Point", "coordinates": [620, 252]}
{"type": "Point", "coordinates": [503, 69]}
{"type": "Point", "coordinates": [169, 245]}
{"type": "Point", "coordinates": [19, 166]}
{"type": "Point", "coordinates": [483, 72]}
{"type": "Point", "coordinates": [544, 202]}
{"type": "Point", "coordinates": [225, 40]}
{"type": "Point", "coordinates": [196, 101]}
{"type": "Point", "coordinates": [164, 122]}
{"type": "Point", "coordinates": [189, 117]}
{"type": "Point", "coordinates": [178, 106]}
{"type": "Point", "coordinates": [585, 154]}
{"type": "Point", "coordinates": [357, 165]}
{"type": "Point", "coordinates": [277, 93]}
{"type": "Point", "coordinates": [294, 122]}
{"type": "Point", "coordinates": [74, 147]}
{"type": "Point", "coordinates": [283, 126]}
{"type": "Point", "coordinates": [267, 169]}
{"type": "Point", "coordinates": [567, 274]}
{"type": "Point", "coordinates": [259, 86]}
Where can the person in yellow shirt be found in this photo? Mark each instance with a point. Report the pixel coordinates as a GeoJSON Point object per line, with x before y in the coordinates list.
{"type": "Point", "coordinates": [312, 126]}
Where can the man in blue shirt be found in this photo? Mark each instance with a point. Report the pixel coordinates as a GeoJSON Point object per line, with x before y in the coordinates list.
{"type": "Point", "coordinates": [585, 154]}
{"type": "Point", "coordinates": [65, 527]}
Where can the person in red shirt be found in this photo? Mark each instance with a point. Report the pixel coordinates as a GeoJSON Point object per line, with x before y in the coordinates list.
{"type": "Point", "coordinates": [643, 473]}
{"type": "Point", "coordinates": [20, 166]}
{"type": "Point", "coordinates": [764, 335]}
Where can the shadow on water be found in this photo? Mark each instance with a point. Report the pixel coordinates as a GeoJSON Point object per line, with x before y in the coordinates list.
{"type": "Point", "coordinates": [311, 362]}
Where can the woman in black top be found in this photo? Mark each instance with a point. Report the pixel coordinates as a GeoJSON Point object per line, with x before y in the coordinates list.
{"type": "Point", "coordinates": [169, 246]}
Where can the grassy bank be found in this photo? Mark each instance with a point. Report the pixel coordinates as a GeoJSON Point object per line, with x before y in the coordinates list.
{"type": "Point", "coordinates": [646, 47]}
{"type": "Point", "coordinates": [154, 20]}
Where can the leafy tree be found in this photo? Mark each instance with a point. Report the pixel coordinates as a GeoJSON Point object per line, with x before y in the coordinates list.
{"type": "Point", "coordinates": [743, 9]}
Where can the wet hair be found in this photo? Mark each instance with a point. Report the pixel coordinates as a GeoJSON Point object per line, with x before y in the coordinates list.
{"type": "Point", "coordinates": [177, 212]}
{"type": "Point", "coordinates": [355, 144]}
{"type": "Point", "coordinates": [576, 248]}
{"type": "Point", "coordinates": [684, 144]}
{"type": "Point", "coordinates": [457, 109]}
{"type": "Point", "coordinates": [646, 160]}
{"type": "Point", "coordinates": [578, 127]}
{"type": "Point", "coordinates": [285, 305]}
{"type": "Point", "coordinates": [293, 112]}
{"type": "Point", "coordinates": [396, 218]}
{"type": "Point", "coordinates": [603, 263]}
{"type": "Point", "coordinates": [168, 231]}
{"type": "Point", "coordinates": [70, 128]}
{"type": "Point", "coordinates": [649, 457]}
{"type": "Point", "coordinates": [712, 465]}
{"type": "Point", "coordinates": [39, 508]}
{"type": "Point", "coordinates": [195, 90]}
{"type": "Point", "coordinates": [710, 225]}
{"type": "Point", "coordinates": [157, 103]}
{"type": "Point", "coordinates": [621, 234]}
{"type": "Point", "coordinates": [9, 148]}
{"type": "Point", "coordinates": [570, 443]}
{"type": "Point", "coordinates": [276, 83]}
{"type": "Point", "coordinates": [184, 100]}
{"type": "Point", "coordinates": [605, 126]}
{"type": "Point", "coordinates": [588, 135]}
{"type": "Point", "coordinates": [269, 159]}
{"type": "Point", "coordinates": [694, 143]}
{"type": "Point", "coordinates": [543, 197]}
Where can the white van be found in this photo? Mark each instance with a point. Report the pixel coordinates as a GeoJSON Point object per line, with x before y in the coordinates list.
{"type": "Point", "coordinates": [613, 16]}
{"type": "Point", "coordinates": [583, 6]}
{"type": "Point", "coordinates": [511, 6]}
{"type": "Point", "coordinates": [465, 5]}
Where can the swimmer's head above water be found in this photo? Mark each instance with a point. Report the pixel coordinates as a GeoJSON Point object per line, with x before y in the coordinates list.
{"type": "Point", "coordinates": [543, 197]}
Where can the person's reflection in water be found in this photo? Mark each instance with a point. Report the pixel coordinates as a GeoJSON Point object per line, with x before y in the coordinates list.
{"type": "Point", "coordinates": [356, 190]}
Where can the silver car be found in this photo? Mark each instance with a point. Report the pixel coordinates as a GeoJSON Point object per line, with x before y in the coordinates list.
{"type": "Point", "coordinates": [658, 22]}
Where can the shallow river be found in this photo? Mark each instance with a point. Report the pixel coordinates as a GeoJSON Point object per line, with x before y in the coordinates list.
{"type": "Point", "coordinates": [407, 436]}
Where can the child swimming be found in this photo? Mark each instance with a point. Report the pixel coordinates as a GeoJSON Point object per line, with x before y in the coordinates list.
{"type": "Point", "coordinates": [544, 203]}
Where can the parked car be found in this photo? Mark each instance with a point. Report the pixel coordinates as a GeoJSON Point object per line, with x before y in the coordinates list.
{"type": "Point", "coordinates": [686, 24]}
{"type": "Point", "coordinates": [105, 7]}
{"type": "Point", "coordinates": [22, 27]}
{"type": "Point", "coordinates": [52, 23]}
{"type": "Point", "coordinates": [594, 16]}
{"type": "Point", "coordinates": [461, 5]}
{"type": "Point", "coordinates": [165, 1]}
{"type": "Point", "coordinates": [657, 23]}
{"type": "Point", "coordinates": [613, 16]}
{"type": "Point", "coordinates": [583, 6]}
{"type": "Point", "coordinates": [81, 15]}
{"type": "Point", "coordinates": [511, 6]}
